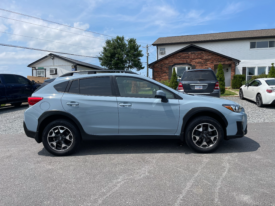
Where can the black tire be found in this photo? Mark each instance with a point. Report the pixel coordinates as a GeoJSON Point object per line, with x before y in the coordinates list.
{"type": "Point", "coordinates": [204, 121]}
{"type": "Point", "coordinates": [259, 100]}
{"type": "Point", "coordinates": [18, 104]}
{"type": "Point", "coordinates": [59, 138]}
{"type": "Point", "coordinates": [241, 94]}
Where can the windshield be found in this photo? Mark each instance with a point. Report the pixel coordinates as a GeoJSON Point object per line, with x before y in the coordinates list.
{"type": "Point", "coordinates": [270, 82]}
{"type": "Point", "coordinates": [199, 76]}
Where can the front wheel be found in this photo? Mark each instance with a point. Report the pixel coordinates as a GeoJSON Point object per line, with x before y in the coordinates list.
{"type": "Point", "coordinates": [241, 94]}
{"type": "Point", "coordinates": [204, 134]}
{"type": "Point", "coordinates": [61, 137]}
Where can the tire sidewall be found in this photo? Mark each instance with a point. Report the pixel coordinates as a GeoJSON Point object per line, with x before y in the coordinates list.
{"type": "Point", "coordinates": [71, 127]}
{"type": "Point", "coordinates": [199, 120]}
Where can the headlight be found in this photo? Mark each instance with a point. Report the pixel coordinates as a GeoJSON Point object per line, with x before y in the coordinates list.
{"type": "Point", "coordinates": [233, 107]}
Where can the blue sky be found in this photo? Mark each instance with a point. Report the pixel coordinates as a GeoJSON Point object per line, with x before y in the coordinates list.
{"type": "Point", "coordinates": [140, 19]}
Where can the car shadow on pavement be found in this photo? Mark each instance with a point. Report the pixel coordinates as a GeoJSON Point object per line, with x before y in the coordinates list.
{"type": "Point", "coordinates": [266, 106]}
{"type": "Point", "coordinates": [241, 145]}
{"type": "Point", "coordinates": [7, 109]}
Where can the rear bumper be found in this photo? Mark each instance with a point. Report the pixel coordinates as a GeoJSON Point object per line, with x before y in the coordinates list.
{"type": "Point", "coordinates": [31, 134]}
{"type": "Point", "coordinates": [241, 131]}
{"type": "Point", "coordinates": [213, 94]}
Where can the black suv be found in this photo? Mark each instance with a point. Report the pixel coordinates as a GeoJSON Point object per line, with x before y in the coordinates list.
{"type": "Point", "coordinates": [199, 82]}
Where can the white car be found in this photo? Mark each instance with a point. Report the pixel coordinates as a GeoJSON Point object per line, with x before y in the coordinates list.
{"type": "Point", "coordinates": [261, 91]}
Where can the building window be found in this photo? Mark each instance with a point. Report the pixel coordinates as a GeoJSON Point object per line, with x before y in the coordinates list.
{"type": "Point", "coordinates": [162, 51]}
{"type": "Point", "coordinates": [262, 44]}
{"type": "Point", "coordinates": [180, 69]}
{"type": "Point", "coordinates": [250, 72]}
{"type": "Point", "coordinates": [40, 73]}
{"type": "Point", "coordinates": [261, 70]}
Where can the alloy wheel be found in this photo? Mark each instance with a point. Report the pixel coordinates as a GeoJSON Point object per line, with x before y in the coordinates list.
{"type": "Point", "coordinates": [205, 135]}
{"type": "Point", "coordinates": [60, 138]}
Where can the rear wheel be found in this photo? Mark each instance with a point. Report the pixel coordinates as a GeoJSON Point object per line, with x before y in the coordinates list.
{"type": "Point", "coordinates": [18, 104]}
{"type": "Point", "coordinates": [241, 94]}
{"type": "Point", "coordinates": [204, 134]}
{"type": "Point", "coordinates": [61, 137]}
{"type": "Point", "coordinates": [259, 101]}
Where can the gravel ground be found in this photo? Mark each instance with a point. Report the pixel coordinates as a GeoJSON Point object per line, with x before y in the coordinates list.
{"type": "Point", "coordinates": [254, 113]}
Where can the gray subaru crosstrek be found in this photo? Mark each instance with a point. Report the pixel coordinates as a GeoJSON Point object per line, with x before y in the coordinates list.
{"type": "Point", "coordinates": [199, 82]}
{"type": "Point", "coordinates": [103, 105]}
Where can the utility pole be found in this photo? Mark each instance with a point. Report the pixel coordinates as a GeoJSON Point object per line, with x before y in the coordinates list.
{"type": "Point", "coordinates": [147, 60]}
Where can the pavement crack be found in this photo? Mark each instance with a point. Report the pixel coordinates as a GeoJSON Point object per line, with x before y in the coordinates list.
{"type": "Point", "coordinates": [190, 183]}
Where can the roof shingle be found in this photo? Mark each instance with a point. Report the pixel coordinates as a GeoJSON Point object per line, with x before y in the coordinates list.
{"type": "Point", "coordinates": [224, 36]}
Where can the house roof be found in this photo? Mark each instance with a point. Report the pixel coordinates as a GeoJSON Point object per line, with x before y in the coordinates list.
{"type": "Point", "coordinates": [224, 36]}
{"type": "Point", "coordinates": [74, 61]}
{"type": "Point", "coordinates": [192, 47]}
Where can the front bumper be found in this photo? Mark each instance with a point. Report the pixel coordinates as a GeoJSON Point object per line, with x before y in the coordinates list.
{"type": "Point", "coordinates": [31, 134]}
{"type": "Point", "coordinates": [241, 131]}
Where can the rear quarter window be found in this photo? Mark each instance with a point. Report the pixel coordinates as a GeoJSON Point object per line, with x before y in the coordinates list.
{"type": "Point", "coordinates": [270, 82]}
{"type": "Point", "coordinates": [199, 76]}
{"type": "Point", "coordinates": [61, 87]}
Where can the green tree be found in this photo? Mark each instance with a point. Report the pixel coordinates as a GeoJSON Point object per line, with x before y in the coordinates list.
{"type": "Point", "coordinates": [271, 73]}
{"type": "Point", "coordinates": [220, 77]}
{"type": "Point", "coordinates": [173, 82]}
{"type": "Point", "coordinates": [119, 54]}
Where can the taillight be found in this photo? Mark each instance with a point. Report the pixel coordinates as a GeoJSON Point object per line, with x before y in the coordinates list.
{"type": "Point", "coordinates": [217, 86]}
{"type": "Point", "coordinates": [269, 90]}
{"type": "Point", "coordinates": [34, 100]}
{"type": "Point", "coordinates": [180, 87]}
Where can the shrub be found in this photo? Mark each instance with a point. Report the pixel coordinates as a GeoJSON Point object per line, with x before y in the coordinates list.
{"type": "Point", "coordinates": [220, 77]}
{"type": "Point", "coordinates": [237, 81]}
{"type": "Point", "coordinates": [259, 76]}
{"type": "Point", "coordinates": [165, 82]}
{"type": "Point", "coordinates": [174, 82]}
{"type": "Point", "coordinates": [271, 73]}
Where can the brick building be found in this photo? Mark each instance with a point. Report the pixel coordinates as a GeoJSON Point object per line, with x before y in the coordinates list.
{"type": "Point", "coordinates": [241, 52]}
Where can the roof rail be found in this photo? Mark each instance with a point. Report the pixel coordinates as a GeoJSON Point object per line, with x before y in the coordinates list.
{"type": "Point", "coordinates": [96, 72]}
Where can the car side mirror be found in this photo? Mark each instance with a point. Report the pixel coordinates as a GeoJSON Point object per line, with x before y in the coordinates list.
{"type": "Point", "coordinates": [162, 95]}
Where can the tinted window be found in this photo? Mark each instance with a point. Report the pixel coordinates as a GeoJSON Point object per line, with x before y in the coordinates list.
{"type": "Point", "coordinates": [199, 76]}
{"type": "Point", "coordinates": [61, 87]}
{"type": "Point", "coordinates": [270, 82]}
{"type": "Point", "coordinates": [10, 79]}
{"type": "Point", "coordinates": [74, 87]}
{"type": "Point", "coordinates": [272, 44]}
{"type": "Point", "coordinates": [135, 87]}
{"type": "Point", "coordinates": [254, 83]}
{"type": "Point", "coordinates": [97, 86]}
{"type": "Point", "coordinates": [22, 80]}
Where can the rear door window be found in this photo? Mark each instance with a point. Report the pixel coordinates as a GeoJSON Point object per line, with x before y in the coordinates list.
{"type": "Point", "coordinates": [96, 86]}
{"type": "Point", "coordinates": [199, 75]}
{"type": "Point", "coordinates": [74, 88]}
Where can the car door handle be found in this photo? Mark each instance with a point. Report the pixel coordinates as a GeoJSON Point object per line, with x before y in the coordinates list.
{"type": "Point", "coordinates": [125, 104]}
{"type": "Point", "coordinates": [73, 104]}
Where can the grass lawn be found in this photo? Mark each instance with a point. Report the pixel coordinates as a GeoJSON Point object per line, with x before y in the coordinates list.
{"type": "Point", "coordinates": [228, 93]}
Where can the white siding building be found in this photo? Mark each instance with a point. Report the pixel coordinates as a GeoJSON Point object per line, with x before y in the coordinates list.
{"type": "Point", "coordinates": [255, 48]}
{"type": "Point", "coordinates": [53, 66]}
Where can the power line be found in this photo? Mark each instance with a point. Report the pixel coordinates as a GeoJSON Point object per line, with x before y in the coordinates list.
{"type": "Point", "coordinates": [22, 47]}
{"type": "Point", "coordinates": [59, 24]}
{"type": "Point", "coordinates": [48, 27]}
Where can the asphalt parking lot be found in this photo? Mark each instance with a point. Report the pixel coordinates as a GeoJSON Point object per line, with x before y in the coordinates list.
{"type": "Point", "coordinates": [139, 172]}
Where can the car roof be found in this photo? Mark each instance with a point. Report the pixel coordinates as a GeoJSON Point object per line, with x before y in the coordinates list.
{"type": "Point", "coordinates": [265, 79]}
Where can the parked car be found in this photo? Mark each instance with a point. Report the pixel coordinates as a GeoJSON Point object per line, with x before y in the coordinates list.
{"type": "Point", "coordinates": [261, 91]}
{"type": "Point", "coordinates": [125, 105]}
{"type": "Point", "coordinates": [15, 89]}
{"type": "Point", "coordinates": [199, 82]}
